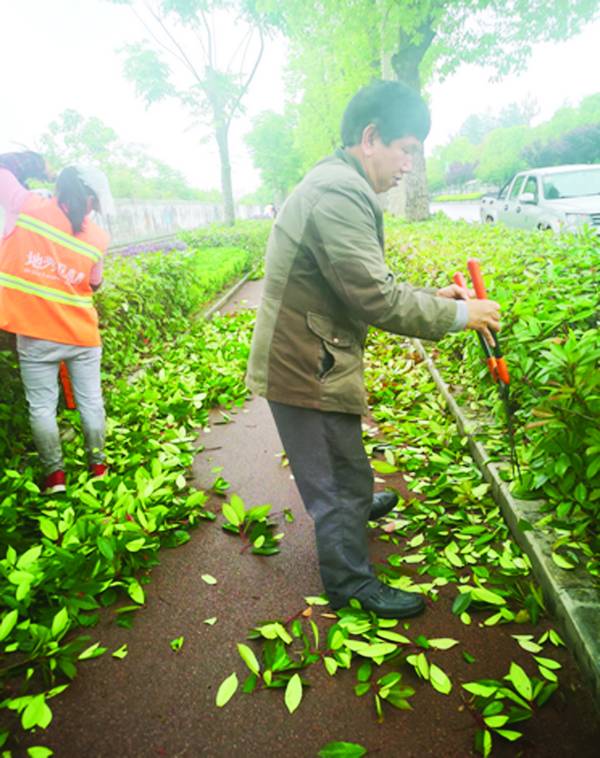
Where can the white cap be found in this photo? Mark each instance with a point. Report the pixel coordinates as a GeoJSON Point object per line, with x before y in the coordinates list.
{"type": "Point", "coordinates": [96, 180]}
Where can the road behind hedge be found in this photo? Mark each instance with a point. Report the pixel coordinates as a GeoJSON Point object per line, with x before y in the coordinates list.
{"type": "Point", "coordinates": [156, 702]}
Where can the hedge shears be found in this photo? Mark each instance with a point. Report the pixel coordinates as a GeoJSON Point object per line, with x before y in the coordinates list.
{"type": "Point", "coordinates": [494, 359]}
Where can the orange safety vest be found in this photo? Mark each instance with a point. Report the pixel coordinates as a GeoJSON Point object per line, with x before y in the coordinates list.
{"type": "Point", "coordinates": [45, 271]}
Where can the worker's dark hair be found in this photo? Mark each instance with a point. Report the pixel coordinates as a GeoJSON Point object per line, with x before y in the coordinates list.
{"type": "Point", "coordinates": [72, 195]}
{"type": "Point", "coordinates": [395, 109]}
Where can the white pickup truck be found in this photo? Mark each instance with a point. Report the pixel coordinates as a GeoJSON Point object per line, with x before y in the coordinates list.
{"type": "Point", "coordinates": [561, 198]}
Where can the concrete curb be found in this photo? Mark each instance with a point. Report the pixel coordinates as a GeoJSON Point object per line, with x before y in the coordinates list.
{"type": "Point", "coordinates": [569, 595]}
{"type": "Point", "coordinates": [206, 315]}
{"type": "Point", "coordinates": [210, 312]}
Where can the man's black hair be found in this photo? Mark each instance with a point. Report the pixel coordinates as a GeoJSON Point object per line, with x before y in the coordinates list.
{"type": "Point", "coordinates": [395, 109]}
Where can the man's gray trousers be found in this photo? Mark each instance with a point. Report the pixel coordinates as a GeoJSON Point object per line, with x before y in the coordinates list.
{"type": "Point", "coordinates": [334, 477]}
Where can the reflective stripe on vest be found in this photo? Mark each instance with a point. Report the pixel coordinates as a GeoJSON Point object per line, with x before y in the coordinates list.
{"type": "Point", "coordinates": [55, 235]}
{"type": "Point", "coordinates": [46, 293]}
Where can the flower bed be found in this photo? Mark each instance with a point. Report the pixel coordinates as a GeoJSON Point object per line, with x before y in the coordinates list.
{"type": "Point", "coordinates": [152, 247]}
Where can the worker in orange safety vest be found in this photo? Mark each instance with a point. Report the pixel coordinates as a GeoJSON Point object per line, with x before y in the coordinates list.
{"type": "Point", "coordinates": [50, 264]}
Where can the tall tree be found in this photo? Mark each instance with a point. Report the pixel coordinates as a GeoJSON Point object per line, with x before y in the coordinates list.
{"type": "Point", "coordinates": [453, 163]}
{"type": "Point", "coordinates": [501, 155]}
{"type": "Point", "coordinates": [478, 125]}
{"type": "Point", "coordinates": [458, 174]}
{"type": "Point", "coordinates": [74, 138]}
{"type": "Point", "coordinates": [417, 41]}
{"type": "Point", "coordinates": [184, 58]}
{"type": "Point", "coordinates": [271, 144]}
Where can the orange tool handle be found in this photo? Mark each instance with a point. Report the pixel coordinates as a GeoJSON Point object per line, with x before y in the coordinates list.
{"type": "Point", "coordinates": [65, 380]}
{"type": "Point", "coordinates": [502, 368]}
{"type": "Point", "coordinates": [459, 279]}
{"type": "Point", "coordinates": [477, 279]}
{"type": "Point", "coordinates": [479, 287]}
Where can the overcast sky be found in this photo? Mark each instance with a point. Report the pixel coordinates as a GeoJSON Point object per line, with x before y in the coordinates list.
{"type": "Point", "coordinates": [58, 54]}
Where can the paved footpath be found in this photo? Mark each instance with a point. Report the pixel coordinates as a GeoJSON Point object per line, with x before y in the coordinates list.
{"type": "Point", "coordinates": [156, 702]}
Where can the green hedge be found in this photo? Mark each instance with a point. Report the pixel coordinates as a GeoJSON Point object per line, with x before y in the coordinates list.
{"type": "Point", "coordinates": [250, 235]}
{"type": "Point", "coordinates": [145, 299]}
{"type": "Point", "coordinates": [549, 290]}
{"type": "Point", "coordinates": [63, 558]}
{"type": "Point", "coordinates": [457, 198]}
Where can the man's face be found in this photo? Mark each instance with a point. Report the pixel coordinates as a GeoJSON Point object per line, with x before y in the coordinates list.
{"type": "Point", "coordinates": [389, 163]}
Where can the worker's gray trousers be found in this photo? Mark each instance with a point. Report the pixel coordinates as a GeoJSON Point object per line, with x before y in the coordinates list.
{"type": "Point", "coordinates": [333, 474]}
{"type": "Point", "coordinates": [40, 361]}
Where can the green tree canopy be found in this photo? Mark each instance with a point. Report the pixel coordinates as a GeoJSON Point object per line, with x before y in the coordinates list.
{"type": "Point", "coordinates": [73, 138]}
{"type": "Point", "coordinates": [570, 117]}
{"type": "Point", "coordinates": [501, 154]}
{"type": "Point", "coordinates": [478, 125]}
{"type": "Point", "coordinates": [337, 47]}
{"type": "Point", "coordinates": [452, 163]}
{"type": "Point", "coordinates": [579, 145]}
{"type": "Point", "coordinates": [570, 136]}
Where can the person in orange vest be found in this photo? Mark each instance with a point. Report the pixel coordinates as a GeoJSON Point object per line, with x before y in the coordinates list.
{"type": "Point", "coordinates": [50, 264]}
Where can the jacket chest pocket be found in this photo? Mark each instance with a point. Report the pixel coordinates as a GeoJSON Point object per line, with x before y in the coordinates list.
{"type": "Point", "coordinates": [338, 348]}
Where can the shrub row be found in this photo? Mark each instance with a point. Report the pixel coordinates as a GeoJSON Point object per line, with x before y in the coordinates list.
{"type": "Point", "coordinates": [249, 235]}
{"type": "Point", "coordinates": [465, 196]}
{"type": "Point", "coordinates": [63, 558]}
{"type": "Point", "coordinates": [549, 290]}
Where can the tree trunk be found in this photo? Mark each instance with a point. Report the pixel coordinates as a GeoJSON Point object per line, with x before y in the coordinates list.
{"type": "Point", "coordinates": [406, 61]}
{"type": "Point", "coordinates": [395, 200]}
{"type": "Point", "coordinates": [417, 193]}
{"type": "Point", "coordinates": [222, 137]}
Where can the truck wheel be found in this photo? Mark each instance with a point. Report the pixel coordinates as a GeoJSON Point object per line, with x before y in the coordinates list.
{"type": "Point", "coordinates": [489, 219]}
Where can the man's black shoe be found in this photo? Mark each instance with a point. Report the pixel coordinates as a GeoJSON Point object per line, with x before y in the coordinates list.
{"type": "Point", "coordinates": [393, 604]}
{"type": "Point", "coordinates": [383, 503]}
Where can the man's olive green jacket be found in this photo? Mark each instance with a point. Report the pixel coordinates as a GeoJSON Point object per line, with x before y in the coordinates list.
{"type": "Point", "coordinates": [326, 281]}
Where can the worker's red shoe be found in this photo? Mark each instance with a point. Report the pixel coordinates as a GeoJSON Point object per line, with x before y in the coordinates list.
{"type": "Point", "coordinates": [98, 469]}
{"type": "Point", "coordinates": [54, 483]}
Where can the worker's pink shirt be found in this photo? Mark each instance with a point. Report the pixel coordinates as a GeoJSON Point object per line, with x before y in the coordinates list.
{"type": "Point", "coordinates": [12, 199]}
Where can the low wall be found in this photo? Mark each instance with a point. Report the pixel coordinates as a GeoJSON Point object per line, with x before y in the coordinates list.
{"type": "Point", "coordinates": [144, 219]}
{"type": "Point", "coordinates": [138, 220]}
